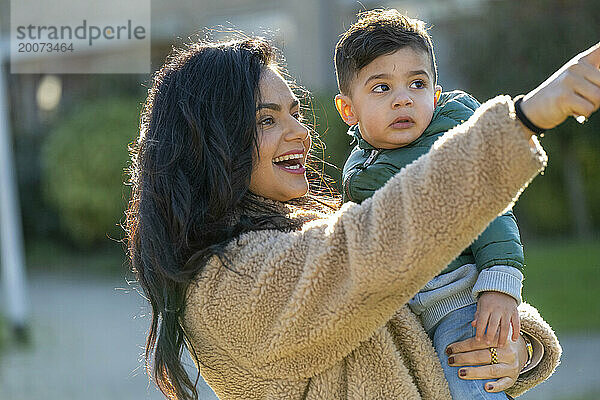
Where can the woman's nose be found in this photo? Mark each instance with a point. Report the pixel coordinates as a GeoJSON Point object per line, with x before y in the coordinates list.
{"type": "Point", "coordinates": [297, 131]}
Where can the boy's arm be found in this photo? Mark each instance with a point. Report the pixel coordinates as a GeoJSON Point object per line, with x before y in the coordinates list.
{"type": "Point", "coordinates": [499, 244]}
{"type": "Point", "coordinates": [499, 258]}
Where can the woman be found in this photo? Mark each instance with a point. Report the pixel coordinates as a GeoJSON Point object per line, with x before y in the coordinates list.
{"type": "Point", "coordinates": [275, 295]}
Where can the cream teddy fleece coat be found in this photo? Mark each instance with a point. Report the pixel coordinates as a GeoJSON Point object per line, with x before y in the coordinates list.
{"type": "Point", "coordinates": [321, 313]}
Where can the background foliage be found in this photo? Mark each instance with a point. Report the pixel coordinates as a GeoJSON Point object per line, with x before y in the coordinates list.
{"type": "Point", "coordinates": [83, 162]}
{"type": "Point", "coordinates": [510, 48]}
{"type": "Point", "coordinates": [511, 51]}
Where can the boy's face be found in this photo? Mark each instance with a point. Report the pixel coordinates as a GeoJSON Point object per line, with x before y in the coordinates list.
{"type": "Point", "coordinates": [392, 99]}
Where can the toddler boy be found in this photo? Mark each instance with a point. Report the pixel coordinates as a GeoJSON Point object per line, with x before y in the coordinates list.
{"type": "Point", "coordinates": [389, 96]}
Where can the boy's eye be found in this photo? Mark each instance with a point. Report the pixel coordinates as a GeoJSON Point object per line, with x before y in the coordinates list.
{"type": "Point", "coordinates": [382, 87]}
{"type": "Point", "coordinates": [419, 84]}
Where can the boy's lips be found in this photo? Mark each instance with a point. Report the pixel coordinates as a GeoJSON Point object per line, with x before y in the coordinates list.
{"type": "Point", "coordinates": [402, 122]}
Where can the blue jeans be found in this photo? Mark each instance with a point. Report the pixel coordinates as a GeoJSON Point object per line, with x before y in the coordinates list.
{"type": "Point", "coordinates": [454, 327]}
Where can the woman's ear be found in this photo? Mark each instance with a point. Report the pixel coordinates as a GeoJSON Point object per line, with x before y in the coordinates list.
{"type": "Point", "coordinates": [437, 94]}
{"type": "Point", "coordinates": [344, 106]}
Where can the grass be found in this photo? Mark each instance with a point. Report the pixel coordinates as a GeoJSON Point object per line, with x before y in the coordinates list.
{"type": "Point", "coordinates": [562, 280]}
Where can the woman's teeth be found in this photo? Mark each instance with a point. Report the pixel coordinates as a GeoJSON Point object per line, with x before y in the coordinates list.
{"type": "Point", "coordinates": [288, 157]}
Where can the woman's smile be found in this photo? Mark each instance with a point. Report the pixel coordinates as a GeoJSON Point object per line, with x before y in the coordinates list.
{"type": "Point", "coordinates": [292, 162]}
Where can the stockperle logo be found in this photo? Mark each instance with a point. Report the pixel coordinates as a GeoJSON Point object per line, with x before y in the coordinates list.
{"type": "Point", "coordinates": [78, 36]}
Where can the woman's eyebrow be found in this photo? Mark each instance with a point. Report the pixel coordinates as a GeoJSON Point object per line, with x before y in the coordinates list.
{"type": "Point", "coordinates": [275, 106]}
{"type": "Point", "coordinates": [270, 106]}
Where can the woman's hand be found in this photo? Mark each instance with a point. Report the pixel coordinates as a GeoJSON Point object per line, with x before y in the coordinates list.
{"type": "Point", "coordinates": [573, 90]}
{"type": "Point", "coordinates": [511, 359]}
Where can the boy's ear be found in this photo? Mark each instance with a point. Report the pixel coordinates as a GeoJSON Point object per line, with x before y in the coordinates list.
{"type": "Point", "coordinates": [344, 107]}
{"type": "Point", "coordinates": [437, 94]}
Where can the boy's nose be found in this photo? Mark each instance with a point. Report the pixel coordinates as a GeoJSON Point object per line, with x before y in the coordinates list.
{"type": "Point", "coordinates": [402, 100]}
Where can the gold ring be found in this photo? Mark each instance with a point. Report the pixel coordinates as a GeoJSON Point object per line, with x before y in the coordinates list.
{"type": "Point", "coordinates": [494, 354]}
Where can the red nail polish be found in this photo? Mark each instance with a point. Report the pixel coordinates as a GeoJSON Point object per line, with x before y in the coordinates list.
{"type": "Point", "coordinates": [448, 350]}
{"type": "Point", "coordinates": [451, 360]}
{"type": "Point", "coordinates": [462, 372]}
{"type": "Point", "coordinates": [490, 386]}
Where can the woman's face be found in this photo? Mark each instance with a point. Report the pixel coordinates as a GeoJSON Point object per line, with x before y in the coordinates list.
{"type": "Point", "coordinates": [279, 172]}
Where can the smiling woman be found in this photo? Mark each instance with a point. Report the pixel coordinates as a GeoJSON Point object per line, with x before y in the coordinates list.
{"type": "Point", "coordinates": [277, 297]}
{"type": "Point", "coordinates": [219, 133]}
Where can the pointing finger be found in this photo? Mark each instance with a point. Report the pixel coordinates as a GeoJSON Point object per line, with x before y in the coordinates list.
{"type": "Point", "coordinates": [592, 55]}
{"type": "Point", "coordinates": [589, 72]}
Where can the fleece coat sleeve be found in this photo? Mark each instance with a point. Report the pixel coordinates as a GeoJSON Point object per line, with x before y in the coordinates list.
{"type": "Point", "coordinates": [293, 304]}
{"type": "Point", "coordinates": [534, 325]}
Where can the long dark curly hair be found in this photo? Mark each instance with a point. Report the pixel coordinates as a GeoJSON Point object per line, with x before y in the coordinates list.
{"type": "Point", "coordinates": [190, 173]}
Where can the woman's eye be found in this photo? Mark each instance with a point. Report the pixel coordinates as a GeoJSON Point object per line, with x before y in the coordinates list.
{"type": "Point", "coordinates": [382, 87]}
{"type": "Point", "coordinates": [267, 121]}
{"type": "Point", "coordinates": [417, 84]}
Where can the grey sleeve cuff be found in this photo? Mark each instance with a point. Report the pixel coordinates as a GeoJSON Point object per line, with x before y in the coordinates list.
{"type": "Point", "coordinates": [500, 278]}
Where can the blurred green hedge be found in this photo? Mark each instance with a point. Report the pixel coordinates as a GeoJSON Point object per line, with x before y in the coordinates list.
{"type": "Point", "coordinates": [512, 50]}
{"type": "Point", "coordinates": [83, 167]}
{"type": "Point", "coordinates": [332, 132]}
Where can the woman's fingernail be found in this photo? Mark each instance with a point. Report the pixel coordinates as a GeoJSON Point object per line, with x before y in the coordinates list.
{"type": "Point", "coordinates": [462, 372]}
{"type": "Point", "coordinates": [489, 386]}
{"type": "Point", "coordinates": [448, 350]}
{"type": "Point", "coordinates": [451, 360]}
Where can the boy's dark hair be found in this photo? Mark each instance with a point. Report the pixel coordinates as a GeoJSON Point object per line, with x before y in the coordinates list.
{"type": "Point", "coordinates": [376, 33]}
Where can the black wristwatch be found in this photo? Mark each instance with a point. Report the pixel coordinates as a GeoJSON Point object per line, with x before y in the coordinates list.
{"type": "Point", "coordinates": [523, 118]}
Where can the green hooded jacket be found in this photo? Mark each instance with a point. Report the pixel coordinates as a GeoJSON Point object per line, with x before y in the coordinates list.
{"type": "Point", "coordinates": [368, 168]}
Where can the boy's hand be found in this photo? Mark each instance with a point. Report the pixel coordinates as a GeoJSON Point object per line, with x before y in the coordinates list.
{"type": "Point", "coordinates": [573, 90]}
{"type": "Point", "coordinates": [496, 310]}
